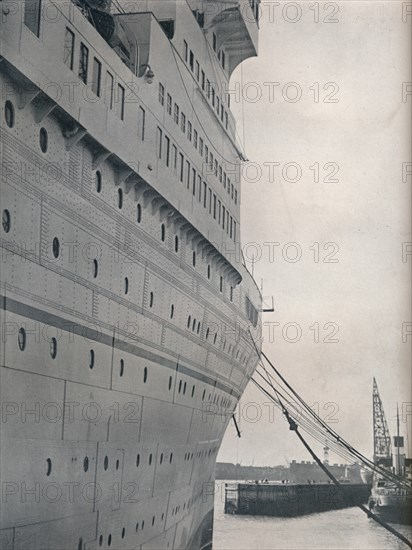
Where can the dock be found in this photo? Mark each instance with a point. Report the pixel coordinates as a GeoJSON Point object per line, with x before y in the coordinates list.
{"type": "Point", "coordinates": [291, 499]}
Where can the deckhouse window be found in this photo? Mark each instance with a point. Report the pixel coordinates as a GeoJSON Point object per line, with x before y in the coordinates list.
{"type": "Point", "coordinates": [141, 123]}
{"type": "Point", "coordinates": [176, 113]}
{"type": "Point", "coordinates": [191, 60]}
{"type": "Point", "coordinates": [169, 104]}
{"type": "Point", "coordinates": [161, 94]}
{"type": "Point", "coordinates": [121, 95]}
{"type": "Point", "coordinates": [183, 123]}
{"type": "Point", "coordinates": [83, 63]}
{"type": "Point", "coordinates": [69, 49]}
{"type": "Point", "coordinates": [185, 50]}
{"type": "Point", "coordinates": [109, 90]}
{"type": "Point", "coordinates": [181, 166]}
{"type": "Point", "coordinates": [97, 77]}
{"type": "Point", "coordinates": [167, 151]}
{"type": "Point", "coordinates": [159, 142]}
{"type": "Point", "coordinates": [32, 11]}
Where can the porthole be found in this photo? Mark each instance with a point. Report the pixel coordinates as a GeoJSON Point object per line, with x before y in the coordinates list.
{"type": "Point", "coordinates": [221, 284]}
{"type": "Point", "coordinates": [126, 285]}
{"type": "Point", "coordinates": [203, 395]}
{"type": "Point", "coordinates": [170, 382]}
{"type": "Point", "coordinates": [171, 458]}
{"type": "Point", "coordinates": [53, 348]}
{"type": "Point", "coordinates": [21, 339]}
{"type": "Point", "coordinates": [208, 271]}
{"type": "Point", "coordinates": [137, 527]}
{"type": "Point", "coordinates": [189, 320]}
{"type": "Point", "coordinates": [145, 375]}
{"type": "Point", "coordinates": [207, 333]}
{"type": "Point", "coordinates": [80, 545]}
{"type": "Point", "coordinates": [176, 243]}
{"type": "Point", "coordinates": [56, 247]}
{"type": "Point", "coordinates": [193, 390]}
{"type": "Point", "coordinates": [214, 339]}
{"type": "Point", "coordinates": [194, 258]}
{"type": "Point", "coordinates": [6, 221]}
{"type": "Point", "coordinates": [184, 388]}
{"type": "Point", "coordinates": [91, 358]}
{"type": "Point", "coordinates": [117, 464]}
{"type": "Point", "coordinates": [95, 268]}
{"type": "Point", "coordinates": [161, 458]}
{"type": "Point", "coordinates": [137, 460]}
{"type": "Point", "coordinates": [48, 467]}
{"type": "Point", "coordinates": [101, 540]}
{"type": "Point", "coordinates": [86, 463]}
{"type": "Point", "coordinates": [142, 525]}
{"type": "Point", "coordinates": [121, 367]}
{"type": "Point", "coordinates": [43, 140]}
{"type": "Point", "coordinates": [120, 198]}
{"type": "Point", "coordinates": [139, 213]}
{"type": "Point", "coordinates": [123, 533]}
{"type": "Point", "coordinates": [98, 181]}
{"type": "Point", "coordinates": [106, 462]}
{"type": "Point", "coordinates": [172, 311]}
{"type": "Point", "coordinates": [153, 519]}
{"type": "Point", "coordinates": [9, 113]}
{"type": "Point", "coordinates": [198, 327]}
{"type": "Point", "coordinates": [151, 299]}
{"type": "Point", "coordinates": [180, 386]}
{"type": "Point", "coordinates": [163, 232]}
{"type": "Point", "coordinates": [194, 325]}
{"type": "Point", "coordinates": [109, 540]}
{"type": "Point", "coordinates": [150, 463]}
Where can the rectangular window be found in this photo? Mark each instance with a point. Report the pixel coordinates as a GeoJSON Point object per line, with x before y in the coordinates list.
{"type": "Point", "coordinates": [216, 167]}
{"type": "Point", "coordinates": [235, 196]}
{"type": "Point", "coordinates": [176, 113]}
{"type": "Point", "coordinates": [161, 94]}
{"type": "Point", "coordinates": [197, 71]}
{"type": "Point", "coordinates": [195, 135]}
{"type": "Point", "coordinates": [217, 104]}
{"type": "Point", "coordinates": [219, 211]}
{"type": "Point", "coordinates": [226, 120]}
{"type": "Point", "coordinates": [214, 42]}
{"type": "Point", "coordinates": [201, 147]}
{"type": "Point", "coordinates": [159, 142]}
{"type": "Point", "coordinates": [203, 80]}
{"type": "Point", "coordinates": [222, 112]}
{"type": "Point", "coordinates": [223, 216]}
{"type": "Point", "coordinates": [228, 186]}
{"type": "Point", "coordinates": [231, 227]}
{"type": "Point", "coordinates": [174, 158]}
{"type": "Point", "coordinates": [224, 180]}
{"type": "Point", "coordinates": [234, 230]}
{"type": "Point", "coordinates": [182, 166]}
{"type": "Point", "coordinates": [169, 104]}
{"type": "Point", "coordinates": [185, 50]}
{"type": "Point", "coordinates": [220, 174]}
{"type": "Point", "coordinates": [213, 96]}
{"type": "Point", "coordinates": [121, 95]}
{"type": "Point", "coordinates": [109, 90]}
{"type": "Point", "coordinates": [191, 60]}
{"type": "Point", "coordinates": [83, 63]}
{"type": "Point", "coordinates": [208, 89]}
{"type": "Point", "coordinates": [214, 205]}
{"type": "Point", "coordinates": [210, 201]}
{"type": "Point", "coordinates": [183, 123]}
{"type": "Point", "coordinates": [69, 49]}
{"type": "Point", "coordinates": [167, 151]}
{"type": "Point", "coordinates": [32, 12]}
{"type": "Point", "coordinates": [223, 60]}
{"type": "Point", "coordinates": [232, 190]}
{"type": "Point", "coordinates": [204, 194]}
{"type": "Point", "coordinates": [199, 186]}
{"type": "Point", "coordinates": [193, 181]}
{"type": "Point", "coordinates": [188, 174]}
{"type": "Point", "coordinates": [211, 159]}
{"type": "Point", "coordinates": [97, 76]}
{"type": "Point", "coordinates": [189, 130]}
{"type": "Point", "coordinates": [141, 123]}
{"type": "Point", "coordinates": [206, 154]}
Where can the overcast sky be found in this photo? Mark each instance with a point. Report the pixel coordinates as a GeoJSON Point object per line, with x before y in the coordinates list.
{"type": "Point", "coordinates": [363, 131]}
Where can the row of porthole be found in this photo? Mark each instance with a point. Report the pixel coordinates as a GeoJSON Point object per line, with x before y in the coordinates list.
{"type": "Point", "coordinates": [123, 532]}
{"type": "Point", "coordinates": [10, 117]}
{"type": "Point", "coordinates": [49, 465]}
{"type": "Point", "coordinates": [150, 461]}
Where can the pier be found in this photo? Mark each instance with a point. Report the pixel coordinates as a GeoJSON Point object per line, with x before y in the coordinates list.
{"type": "Point", "coordinates": [294, 499]}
